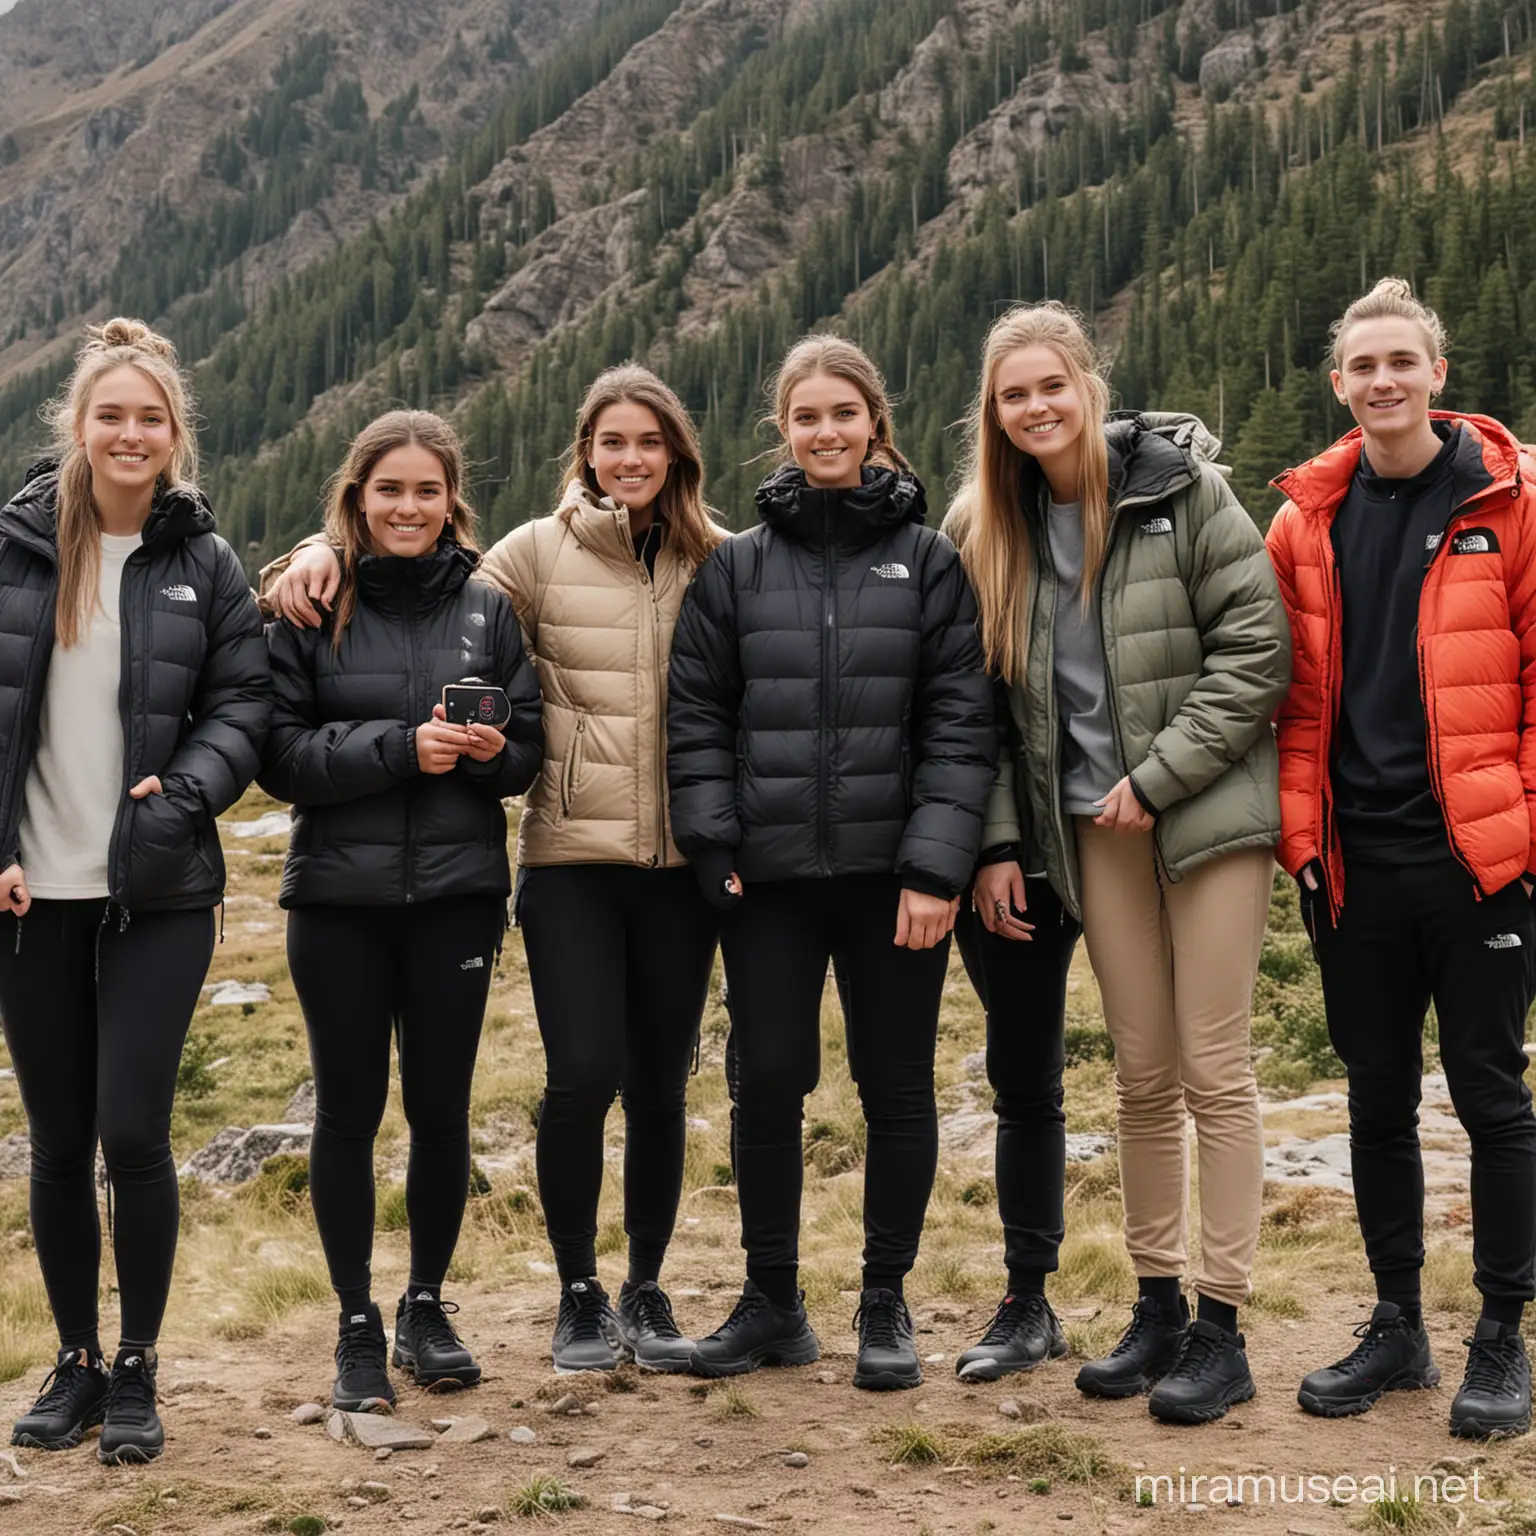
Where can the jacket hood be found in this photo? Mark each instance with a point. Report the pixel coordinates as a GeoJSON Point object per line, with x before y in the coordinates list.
{"type": "Point", "coordinates": [31, 516]}
{"type": "Point", "coordinates": [1152, 454]}
{"type": "Point", "coordinates": [1488, 456]}
{"type": "Point", "coordinates": [886, 499]}
{"type": "Point", "coordinates": [414, 583]}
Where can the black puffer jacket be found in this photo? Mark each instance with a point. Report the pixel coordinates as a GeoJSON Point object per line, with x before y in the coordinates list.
{"type": "Point", "coordinates": [369, 827]}
{"type": "Point", "coordinates": [195, 697]}
{"type": "Point", "coordinates": [828, 712]}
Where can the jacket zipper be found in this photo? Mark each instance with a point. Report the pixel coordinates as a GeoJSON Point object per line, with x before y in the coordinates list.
{"type": "Point", "coordinates": [828, 641]}
{"type": "Point", "coordinates": [572, 766]}
{"type": "Point", "coordinates": [412, 713]}
{"type": "Point", "coordinates": [124, 702]}
{"type": "Point", "coordinates": [1334, 663]}
{"type": "Point", "coordinates": [659, 855]}
{"type": "Point", "coordinates": [1053, 741]}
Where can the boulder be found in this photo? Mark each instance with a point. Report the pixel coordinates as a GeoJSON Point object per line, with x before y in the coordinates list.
{"type": "Point", "coordinates": [235, 1154]}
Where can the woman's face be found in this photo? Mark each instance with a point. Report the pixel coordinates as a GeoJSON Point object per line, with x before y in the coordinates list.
{"type": "Point", "coordinates": [405, 502]}
{"type": "Point", "coordinates": [1038, 406]}
{"type": "Point", "coordinates": [628, 454]}
{"type": "Point", "coordinates": [127, 436]}
{"type": "Point", "coordinates": [828, 428]}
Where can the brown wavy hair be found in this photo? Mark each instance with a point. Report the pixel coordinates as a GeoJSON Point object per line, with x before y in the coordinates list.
{"type": "Point", "coordinates": [346, 527]}
{"type": "Point", "coordinates": [838, 356]}
{"type": "Point", "coordinates": [120, 343]}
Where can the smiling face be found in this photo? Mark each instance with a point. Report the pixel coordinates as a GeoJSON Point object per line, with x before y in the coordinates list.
{"type": "Point", "coordinates": [1387, 376]}
{"type": "Point", "coordinates": [127, 433]}
{"type": "Point", "coordinates": [1040, 408]}
{"type": "Point", "coordinates": [628, 454]}
{"type": "Point", "coordinates": [828, 428]}
{"type": "Point", "coordinates": [405, 501]}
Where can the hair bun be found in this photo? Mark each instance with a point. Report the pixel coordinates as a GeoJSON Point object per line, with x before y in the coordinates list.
{"type": "Point", "coordinates": [122, 332]}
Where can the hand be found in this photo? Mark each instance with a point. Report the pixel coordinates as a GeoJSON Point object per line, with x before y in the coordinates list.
{"type": "Point", "coordinates": [1309, 879]}
{"type": "Point", "coordinates": [998, 894]}
{"type": "Point", "coordinates": [1123, 812]}
{"type": "Point", "coordinates": [438, 744]}
{"type": "Point", "coordinates": [923, 920]}
{"type": "Point", "coordinates": [14, 895]}
{"type": "Point", "coordinates": [145, 787]}
{"type": "Point", "coordinates": [1525, 885]}
{"type": "Point", "coordinates": [485, 741]}
{"type": "Point", "coordinates": [314, 576]}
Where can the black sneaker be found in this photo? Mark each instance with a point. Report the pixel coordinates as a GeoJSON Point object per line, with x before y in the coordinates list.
{"type": "Point", "coordinates": [362, 1378]}
{"type": "Point", "coordinates": [586, 1331]}
{"type": "Point", "coordinates": [1145, 1354]}
{"type": "Point", "coordinates": [131, 1430]}
{"type": "Point", "coordinates": [72, 1400]}
{"type": "Point", "coordinates": [427, 1346]}
{"type": "Point", "coordinates": [887, 1354]}
{"type": "Point", "coordinates": [1391, 1356]}
{"type": "Point", "coordinates": [756, 1333]}
{"type": "Point", "coordinates": [647, 1327]}
{"type": "Point", "coordinates": [1495, 1397]}
{"type": "Point", "coordinates": [1023, 1333]}
{"type": "Point", "coordinates": [1210, 1375]}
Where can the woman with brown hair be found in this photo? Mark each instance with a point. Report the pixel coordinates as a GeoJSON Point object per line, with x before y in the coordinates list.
{"type": "Point", "coordinates": [134, 696]}
{"type": "Point", "coordinates": [619, 938]}
{"type": "Point", "coordinates": [397, 878]}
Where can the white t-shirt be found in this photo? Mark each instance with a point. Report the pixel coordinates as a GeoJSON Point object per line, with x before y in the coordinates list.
{"type": "Point", "coordinates": [76, 779]}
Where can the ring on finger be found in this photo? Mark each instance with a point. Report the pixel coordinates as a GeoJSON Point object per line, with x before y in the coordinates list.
{"type": "Point", "coordinates": [1000, 911]}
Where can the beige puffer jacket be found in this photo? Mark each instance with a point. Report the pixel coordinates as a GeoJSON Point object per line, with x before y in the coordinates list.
{"type": "Point", "coordinates": [600, 633]}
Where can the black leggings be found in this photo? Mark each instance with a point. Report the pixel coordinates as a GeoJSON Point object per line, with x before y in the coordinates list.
{"type": "Point", "coordinates": [421, 973]}
{"type": "Point", "coordinates": [776, 944]}
{"type": "Point", "coordinates": [619, 958]}
{"type": "Point", "coordinates": [1023, 987]}
{"type": "Point", "coordinates": [95, 1017]}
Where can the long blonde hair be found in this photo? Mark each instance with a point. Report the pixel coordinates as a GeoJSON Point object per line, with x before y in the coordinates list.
{"type": "Point", "coordinates": [986, 518]}
{"type": "Point", "coordinates": [680, 502]}
{"type": "Point", "coordinates": [1391, 299]}
{"type": "Point", "coordinates": [119, 343]}
{"type": "Point", "coordinates": [840, 358]}
{"type": "Point", "coordinates": [346, 526]}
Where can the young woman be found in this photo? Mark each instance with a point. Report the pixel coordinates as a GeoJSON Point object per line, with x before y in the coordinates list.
{"type": "Point", "coordinates": [1407, 557]}
{"type": "Point", "coordinates": [618, 936]}
{"type": "Point", "coordinates": [397, 879]}
{"type": "Point", "coordinates": [831, 749]}
{"type": "Point", "coordinates": [1127, 602]}
{"type": "Point", "coordinates": [134, 697]}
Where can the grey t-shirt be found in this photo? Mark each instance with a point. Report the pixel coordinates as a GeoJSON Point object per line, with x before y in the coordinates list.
{"type": "Point", "coordinates": [1089, 763]}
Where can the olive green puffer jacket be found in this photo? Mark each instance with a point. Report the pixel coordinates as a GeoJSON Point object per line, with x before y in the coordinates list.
{"type": "Point", "coordinates": [1198, 652]}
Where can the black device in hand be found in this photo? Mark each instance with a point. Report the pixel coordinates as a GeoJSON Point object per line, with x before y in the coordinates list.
{"type": "Point", "coordinates": [472, 702]}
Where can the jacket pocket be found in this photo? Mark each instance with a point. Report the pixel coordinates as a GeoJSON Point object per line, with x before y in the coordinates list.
{"type": "Point", "coordinates": [570, 779]}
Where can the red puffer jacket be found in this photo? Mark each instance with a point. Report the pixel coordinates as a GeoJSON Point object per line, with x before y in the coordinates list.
{"type": "Point", "coordinates": [1477, 656]}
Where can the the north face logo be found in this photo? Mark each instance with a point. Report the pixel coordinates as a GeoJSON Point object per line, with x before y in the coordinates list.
{"type": "Point", "coordinates": [1158, 525]}
{"type": "Point", "coordinates": [1503, 941]}
{"type": "Point", "coordinates": [474, 963]}
{"type": "Point", "coordinates": [1432, 541]}
{"type": "Point", "coordinates": [1471, 544]}
{"type": "Point", "coordinates": [179, 594]}
{"type": "Point", "coordinates": [895, 571]}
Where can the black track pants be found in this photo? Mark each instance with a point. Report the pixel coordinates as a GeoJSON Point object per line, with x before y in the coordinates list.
{"type": "Point", "coordinates": [95, 1016]}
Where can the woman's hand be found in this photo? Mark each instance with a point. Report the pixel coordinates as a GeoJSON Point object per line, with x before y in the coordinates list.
{"type": "Point", "coordinates": [923, 920]}
{"type": "Point", "coordinates": [1123, 812]}
{"type": "Point", "coordinates": [149, 786]}
{"type": "Point", "coordinates": [438, 744]}
{"type": "Point", "coordinates": [998, 894]}
{"type": "Point", "coordinates": [14, 895]}
{"type": "Point", "coordinates": [314, 576]}
{"type": "Point", "coordinates": [485, 741]}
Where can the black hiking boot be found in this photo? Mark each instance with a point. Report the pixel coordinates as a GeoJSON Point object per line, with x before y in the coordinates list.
{"type": "Point", "coordinates": [1495, 1398]}
{"type": "Point", "coordinates": [131, 1430]}
{"type": "Point", "coordinates": [1392, 1356]}
{"type": "Point", "coordinates": [887, 1354]}
{"type": "Point", "coordinates": [362, 1382]}
{"type": "Point", "coordinates": [1022, 1334]}
{"type": "Point", "coordinates": [756, 1333]}
{"type": "Point", "coordinates": [1145, 1354]}
{"type": "Point", "coordinates": [649, 1330]}
{"type": "Point", "coordinates": [1210, 1375]}
{"type": "Point", "coordinates": [586, 1331]}
{"type": "Point", "coordinates": [427, 1346]}
{"type": "Point", "coordinates": [72, 1400]}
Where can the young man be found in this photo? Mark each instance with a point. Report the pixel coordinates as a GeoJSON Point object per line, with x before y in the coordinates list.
{"type": "Point", "coordinates": [1407, 558]}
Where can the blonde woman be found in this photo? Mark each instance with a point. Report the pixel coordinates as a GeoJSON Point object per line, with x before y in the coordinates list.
{"type": "Point", "coordinates": [135, 701]}
{"type": "Point", "coordinates": [1128, 605]}
{"type": "Point", "coordinates": [619, 938]}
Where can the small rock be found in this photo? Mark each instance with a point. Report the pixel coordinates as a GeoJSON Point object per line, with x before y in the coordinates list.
{"type": "Point", "coordinates": [467, 1432]}
{"type": "Point", "coordinates": [1010, 1409]}
{"type": "Point", "coordinates": [124, 1530]}
{"type": "Point", "coordinates": [308, 1413]}
{"type": "Point", "coordinates": [261, 1434]}
{"type": "Point", "coordinates": [374, 1490]}
{"type": "Point", "coordinates": [8, 1459]}
{"type": "Point", "coordinates": [521, 1435]}
{"type": "Point", "coordinates": [226, 994]}
{"type": "Point", "coordinates": [11, 1495]}
{"type": "Point", "coordinates": [1195, 1509]}
{"type": "Point", "coordinates": [426, 1472]}
{"type": "Point", "coordinates": [565, 1404]}
{"type": "Point", "coordinates": [863, 1490]}
{"type": "Point", "coordinates": [740, 1522]}
{"type": "Point", "coordinates": [797, 1459]}
{"type": "Point", "coordinates": [1065, 1514]}
{"type": "Point", "coordinates": [488, 1515]}
{"type": "Point", "coordinates": [374, 1432]}
{"type": "Point", "coordinates": [705, 1441]}
{"type": "Point", "coordinates": [356, 1501]}
{"type": "Point", "coordinates": [593, 1409]}
{"type": "Point", "coordinates": [336, 1428]}
{"type": "Point", "coordinates": [647, 1511]}
{"type": "Point", "coordinates": [933, 1359]}
{"type": "Point", "coordinates": [584, 1458]}
{"type": "Point", "coordinates": [383, 1453]}
{"type": "Point", "coordinates": [827, 1378]}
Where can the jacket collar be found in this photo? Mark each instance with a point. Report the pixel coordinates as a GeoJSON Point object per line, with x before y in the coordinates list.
{"type": "Point", "coordinates": [885, 500]}
{"type": "Point", "coordinates": [1155, 454]}
{"type": "Point", "coordinates": [401, 585]}
{"type": "Point", "coordinates": [601, 524]}
{"type": "Point", "coordinates": [1487, 460]}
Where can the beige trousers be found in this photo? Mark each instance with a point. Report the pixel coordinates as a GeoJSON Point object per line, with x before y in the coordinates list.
{"type": "Point", "coordinates": [1175, 963]}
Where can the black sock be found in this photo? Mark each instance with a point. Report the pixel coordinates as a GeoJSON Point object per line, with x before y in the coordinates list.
{"type": "Point", "coordinates": [1222, 1313]}
{"type": "Point", "coordinates": [1163, 1292]}
{"type": "Point", "coordinates": [355, 1300]}
{"type": "Point", "coordinates": [1505, 1313]}
{"type": "Point", "coordinates": [1026, 1282]}
{"type": "Point", "coordinates": [416, 1288]}
{"type": "Point", "coordinates": [644, 1264]}
{"type": "Point", "coordinates": [1401, 1288]}
{"type": "Point", "coordinates": [88, 1341]}
{"type": "Point", "coordinates": [778, 1285]}
{"type": "Point", "coordinates": [874, 1282]}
